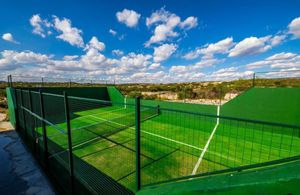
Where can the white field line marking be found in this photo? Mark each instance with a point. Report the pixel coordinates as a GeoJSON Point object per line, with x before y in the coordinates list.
{"type": "Point", "coordinates": [78, 145]}
{"type": "Point", "coordinates": [207, 144]}
{"type": "Point", "coordinates": [172, 140]}
{"type": "Point", "coordinates": [153, 134]}
{"type": "Point", "coordinates": [125, 101]}
{"type": "Point", "coordinates": [81, 127]}
{"type": "Point", "coordinates": [90, 124]}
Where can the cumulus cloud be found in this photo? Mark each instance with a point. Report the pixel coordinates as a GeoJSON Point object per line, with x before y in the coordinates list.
{"type": "Point", "coordinates": [69, 34]}
{"type": "Point", "coordinates": [40, 26]}
{"type": "Point", "coordinates": [43, 27]}
{"type": "Point", "coordinates": [154, 66]}
{"type": "Point", "coordinates": [94, 43]}
{"type": "Point", "coordinates": [159, 16]}
{"type": "Point", "coordinates": [283, 60]}
{"type": "Point", "coordinates": [9, 37]}
{"type": "Point", "coordinates": [11, 60]}
{"type": "Point", "coordinates": [230, 73]}
{"type": "Point", "coordinates": [117, 52]}
{"type": "Point", "coordinates": [163, 52]}
{"type": "Point", "coordinates": [254, 45]}
{"type": "Point", "coordinates": [189, 23]}
{"type": "Point", "coordinates": [165, 23]}
{"type": "Point", "coordinates": [294, 28]}
{"type": "Point", "coordinates": [129, 17]}
{"type": "Point", "coordinates": [184, 74]}
{"type": "Point", "coordinates": [194, 68]}
{"type": "Point", "coordinates": [90, 63]}
{"type": "Point", "coordinates": [209, 50]}
{"type": "Point", "coordinates": [69, 58]}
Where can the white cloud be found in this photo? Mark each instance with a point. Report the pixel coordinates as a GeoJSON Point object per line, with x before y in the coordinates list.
{"type": "Point", "coordinates": [147, 77]}
{"type": "Point", "coordinates": [129, 64]}
{"type": "Point", "coordinates": [178, 69]}
{"type": "Point", "coordinates": [90, 63]}
{"type": "Point", "coordinates": [281, 56]}
{"type": "Point", "coordinates": [294, 28]}
{"type": "Point", "coordinates": [12, 59]}
{"type": "Point", "coordinates": [129, 17]}
{"type": "Point", "coordinates": [154, 66]}
{"type": "Point", "coordinates": [166, 22]}
{"type": "Point", "coordinates": [207, 62]}
{"type": "Point", "coordinates": [38, 25]}
{"type": "Point", "coordinates": [192, 72]}
{"type": "Point", "coordinates": [130, 68]}
{"type": "Point", "coordinates": [184, 74]}
{"type": "Point", "coordinates": [189, 23]}
{"type": "Point", "coordinates": [159, 16]}
{"type": "Point", "coordinates": [9, 37]}
{"type": "Point", "coordinates": [276, 40]}
{"type": "Point", "coordinates": [230, 73]}
{"type": "Point", "coordinates": [69, 58]}
{"type": "Point", "coordinates": [69, 34]}
{"type": "Point", "coordinates": [117, 52]}
{"type": "Point", "coordinates": [281, 60]}
{"type": "Point", "coordinates": [254, 45]}
{"type": "Point", "coordinates": [94, 43]}
{"type": "Point", "coordinates": [209, 50]}
{"type": "Point", "coordinates": [113, 32]}
{"type": "Point", "coordinates": [135, 60]}
{"type": "Point", "coordinates": [163, 52]}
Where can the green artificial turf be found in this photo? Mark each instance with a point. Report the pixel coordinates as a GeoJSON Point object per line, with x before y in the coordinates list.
{"type": "Point", "coordinates": [171, 143]}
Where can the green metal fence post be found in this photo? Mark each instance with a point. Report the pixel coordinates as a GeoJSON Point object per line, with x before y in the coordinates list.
{"type": "Point", "coordinates": [138, 137]}
{"type": "Point", "coordinates": [220, 95]}
{"type": "Point", "coordinates": [253, 80]}
{"type": "Point", "coordinates": [17, 125]}
{"type": "Point", "coordinates": [31, 122]}
{"type": "Point", "coordinates": [69, 142]}
{"type": "Point", "coordinates": [8, 81]}
{"type": "Point", "coordinates": [11, 82]}
{"type": "Point", "coordinates": [44, 128]}
{"type": "Point", "coordinates": [23, 113]}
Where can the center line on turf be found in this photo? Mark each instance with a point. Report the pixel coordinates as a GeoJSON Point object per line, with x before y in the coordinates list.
{"type": "Point", "coordinates": [207, 144]}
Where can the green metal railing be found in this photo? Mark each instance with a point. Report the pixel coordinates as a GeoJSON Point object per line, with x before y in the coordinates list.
{"type": "Point", "coordinates": [96, 146]}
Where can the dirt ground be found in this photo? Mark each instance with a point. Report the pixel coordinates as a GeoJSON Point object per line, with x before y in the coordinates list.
{"type": "Point", "coordinates": [172, 97]}
{"type": "Point", "coordinates": [5, 126]}
{"type": "Point", "coordinates": [2, 117]}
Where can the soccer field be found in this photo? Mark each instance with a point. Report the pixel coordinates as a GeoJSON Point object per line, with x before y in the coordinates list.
{"type": "Point", "coordinates": [173, 143]}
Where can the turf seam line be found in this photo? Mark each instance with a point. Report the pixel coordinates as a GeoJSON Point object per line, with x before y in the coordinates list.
{"type": "Point", "coordinates": [207, 144]}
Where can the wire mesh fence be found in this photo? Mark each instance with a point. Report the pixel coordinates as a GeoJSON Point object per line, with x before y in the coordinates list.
{"type": "Point", "coordinates": [62, 155]}
{"type": "Point", "coordinates": [284, 78]}
{"type": "Point", "coordinates": [31, 81]}
{"type": "Point", "coordinates": [119, 147]}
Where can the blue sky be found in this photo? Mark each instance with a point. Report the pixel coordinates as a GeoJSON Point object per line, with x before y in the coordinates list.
{"type": "Point", "coordinates": [149, 41]}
